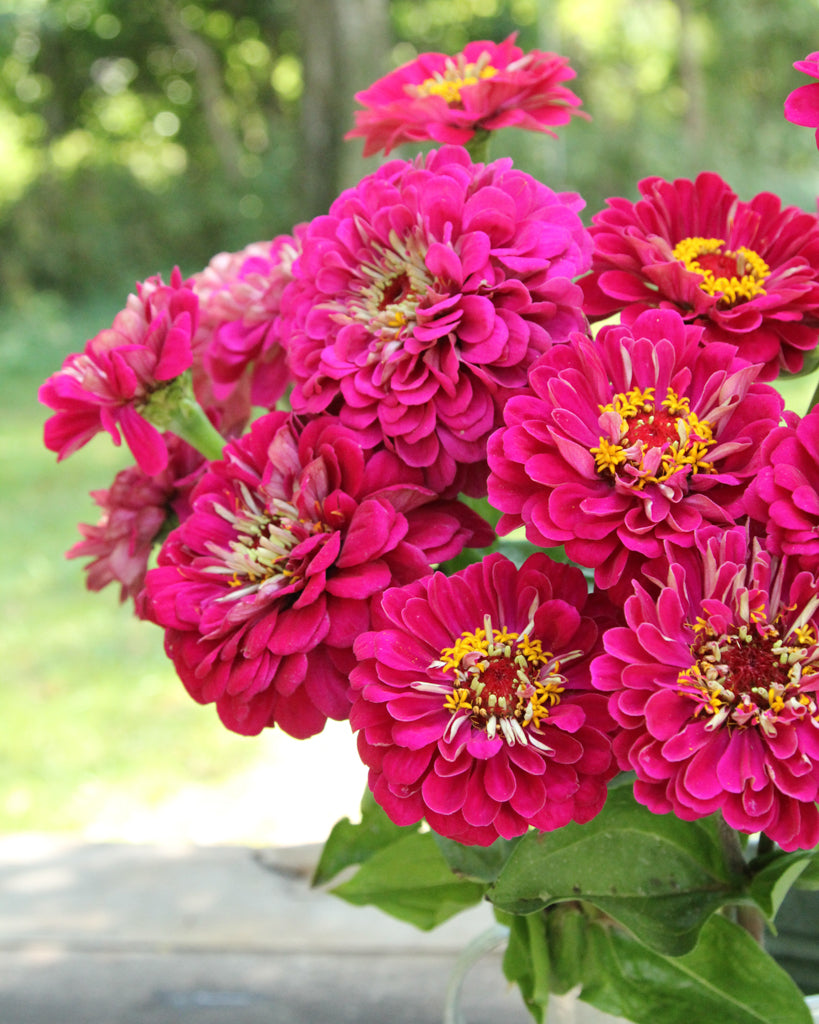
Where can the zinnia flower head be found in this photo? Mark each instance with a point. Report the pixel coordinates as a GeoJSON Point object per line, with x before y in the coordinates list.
{"type": "Point", "coordinates": [639, 435]}
{"type": "Point", "coordinates": [747, 272]}
{"type": "Point", "coordinates": [713, 681]}
{"type": "Point", "coordinates": [136, 510]}
{"type": "Point", "coordinates": [239, 297]}
{"type": "Point", "coordinates": [473, 703]}
{"type": "Point", "coordinates": [264, 587]}
{"type": "Point", "coordinates": [419, 302]}
{"type": "Point", "coordinates": [447, 99]}
{"type": "Point", "coordinates": [109, 384]}
{"type": "Point", "coordinates": [784, 494]}
{"type": "Point", "coordinates": [802, 105]}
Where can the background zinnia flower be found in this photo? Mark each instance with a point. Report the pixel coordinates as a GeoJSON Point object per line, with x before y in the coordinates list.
{"type": "Point", "coordinates": [239, 298]}
{"type": "Point", "coordinates": [639, 435]}
{"type": "Point", "coordinates": [472, 701]}
{"type": "Point", "coordinates": [136, 509]}
{"type": "Point", "coordinates": [107, 385]}
{"type": "Point", "coordinates": [747, 272]}
{"type": "Point", "coordinates": [264, 587]}
{"type": "Point", "coordinates": [802, 105]}
{"type": "Point", "coordinates": [419, 302]}
{"type": "Point", "coordinates": [713, 682]}
{"type": "Point", "coordinates": [447, 99]}
{"type": "Point", "coordinates": [784, 493]}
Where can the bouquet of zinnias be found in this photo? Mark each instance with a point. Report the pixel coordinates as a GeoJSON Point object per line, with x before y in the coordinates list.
{"type": "Point", "coordinates": [608, 729]}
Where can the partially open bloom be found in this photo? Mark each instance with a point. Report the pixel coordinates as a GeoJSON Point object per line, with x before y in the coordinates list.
{"type": "Point", "coordinates": [136, 510]}
{"type": "Point", "coordinates": [637, 436]}
{"type": "Point", "coordinates": [447, 99]}
{"type": "Point", "coordinates": [239, 297]}
{"type": "Point", "coordinates": [419, 302]}
{"type": "Point", "coordinates": [714, 682]}
{"type": "Point", "coordinates": [784, 494]}
{"type": "Point", "coordinates": [802, 105]}
{"type": "Point", "coordinates": [264, 587]}
{"type": "Point", "coordinates": [109, 384]}
{"type": "Point", "coordinates": [747, 272]}
{"type": "Point", "coordinates": [473, 704]}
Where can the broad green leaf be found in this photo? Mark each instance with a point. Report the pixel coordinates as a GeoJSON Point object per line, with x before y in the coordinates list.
{"type": "Point", "coordinates": [483, 863]}
{"type": "Point", "coordinates": [809, 878]}
{"type": "Point", "coordinates": [657, 875]}
{"type": "Point", "coordinates": [771, 884]}
{"type": "Point", "coordinates": [411, 880]}
{"type": "Point", "coordinates": [728, 978]}
{"type": "Point", "coordinates": [350, 843]}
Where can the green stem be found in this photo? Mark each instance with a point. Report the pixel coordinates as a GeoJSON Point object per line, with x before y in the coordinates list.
{"type": "Point", "coordinates": [478, 146]}
{"type": "Point", "coordinates": [539, 947]}
{"type": "Point", "coordinates": [748, 917]}
{"type": "Point", "coordinates": [174, 407]}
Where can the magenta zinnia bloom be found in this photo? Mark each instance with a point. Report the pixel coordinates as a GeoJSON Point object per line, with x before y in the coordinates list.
{"type": "Point", "coordinates": [713, 681]}
{"type": "Point", "coordinates": [802, 105]}
{"type": "Point", "coordinates": [264, 587]}
{"type": "Point", "coordinates": [447, 99]}
{"type": "Point", "coordinates": [107, 386]}
{"type": "Point", "coordinates": [639, 435]}
{"type": "Point", "coordinates": [473, 703]}
{"type": "Point", "coordinates": [136, 509]}
{"type": "Point", "coordinates": [784, 495]}
{"type": "Point", "coordinates": [420, 300]}
{"type": "Point", "coordinates": [239, 297]}
{"type": "Point", "coordinates": [747, 273]}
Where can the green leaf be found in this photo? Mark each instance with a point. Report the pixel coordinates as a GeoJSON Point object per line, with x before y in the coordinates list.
{"type": "Point", "coordinates": [728, 978]}
{"type": "Point", "coordinates": [483, 863]}
{"type": "Point", "coordinates": [411, 880]}
{"type": "Point", "coordinates": [809, 878]}
{"type": "Point", "coordinates": [350, 843]}
{"type": "Point", "coordinates": [526, 961]}
{"type": "Point", "coordinates": [658, 876]}
{"type": "Point", "coordinates": [771, 884]}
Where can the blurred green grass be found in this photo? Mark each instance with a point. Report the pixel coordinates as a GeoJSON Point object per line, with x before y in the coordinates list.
{"type": "Point", "coordinates": [91, 708]}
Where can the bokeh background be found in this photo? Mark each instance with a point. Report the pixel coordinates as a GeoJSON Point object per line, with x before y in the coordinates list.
{"type": "Point", "coordinates": [135, 137]}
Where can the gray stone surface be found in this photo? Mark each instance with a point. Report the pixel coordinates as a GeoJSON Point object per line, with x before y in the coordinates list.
{"type": "Point", "coordinates": [169, 934]}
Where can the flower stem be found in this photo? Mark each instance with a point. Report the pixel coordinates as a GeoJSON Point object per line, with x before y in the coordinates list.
{"type": "Point", "coordinates": [478, 146]}
{"type": "Point", "coordinates": [174, 407]}
{"type": "Point", "coordinates": [748, 917]}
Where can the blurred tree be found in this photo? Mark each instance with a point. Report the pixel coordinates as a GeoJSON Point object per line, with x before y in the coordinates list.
{"type": "Point", "coordinates": [135, 136]}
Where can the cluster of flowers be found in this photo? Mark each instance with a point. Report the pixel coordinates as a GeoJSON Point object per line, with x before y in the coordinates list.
{"type": "Point", "coordinates": [431, 334]}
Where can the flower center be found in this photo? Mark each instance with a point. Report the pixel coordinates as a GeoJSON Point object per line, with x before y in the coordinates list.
{"type": "Point", "coordinates": [257, 558]}
{"type": "Point", "coordinates": [733, 276]}
{"type": "Point", "coordinates": [454, 78]}
{"type": "Point", "coordinates": [648, 442]}
{"type": "Point", "coordinates": [753, 675]}
{"type": "Point", "coordinates": [503, 681]}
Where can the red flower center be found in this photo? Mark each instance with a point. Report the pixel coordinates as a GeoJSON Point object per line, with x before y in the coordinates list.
{"type": "Point", "coordinates": [752, 675]}
{"type": "Point", "coordinates": [649, 441]}
{"type": "Point", "coordinates": [503, 681]}
{"type": "Point", "coordinates": [731, 275]}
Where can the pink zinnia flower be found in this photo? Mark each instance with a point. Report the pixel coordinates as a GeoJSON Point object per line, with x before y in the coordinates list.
{"type": "Point", "coordinates": [784, 494]}
{"type": "Point", "coordinates": [637, 436]}
{"type": "Point", "coordinates": [713, 681]}
{"type": "Point", "coordinates": [747, 273]}
{"type": "Point", "coordinates": [447, 99]}
{"type": "Point", "coordinates": [136, 510]}
{"type": "Point", "coordinates": [264, 587]}
{"type": "Point", "coordinates": [420, 300]}
{"type": "Point", "coordinates": [109, 384]}
{"type": "Point", "coordinates": [802, 105]}
{"type": "Point", "coordinates": [473, 702]}
{"type": "Point", "coordinates": [239, 297]}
